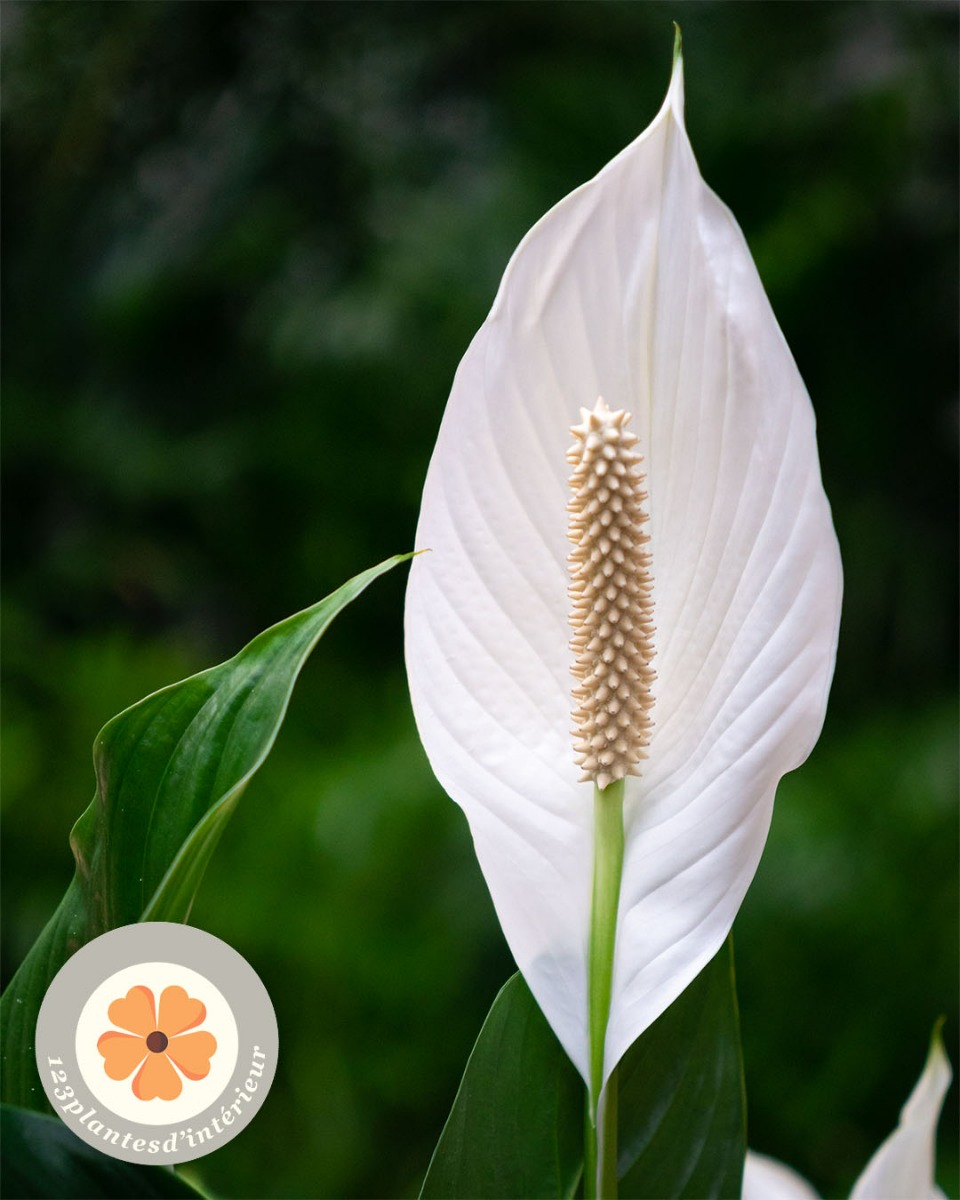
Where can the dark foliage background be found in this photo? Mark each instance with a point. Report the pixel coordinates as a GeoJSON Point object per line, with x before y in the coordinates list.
{"type": "Point", "coordinates": [245, 246]}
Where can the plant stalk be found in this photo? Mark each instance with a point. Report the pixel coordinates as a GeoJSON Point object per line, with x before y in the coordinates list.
{"type": "Point", "coordinates": [600, 1160]}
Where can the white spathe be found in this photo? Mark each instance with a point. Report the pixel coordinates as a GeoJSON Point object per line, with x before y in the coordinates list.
{"type": "Point", "coordinates": [638, 287]}
{"type": "Point", "coordinates": [767, 1179]}
{"type": "Point", "coordinates": [902, 1168]}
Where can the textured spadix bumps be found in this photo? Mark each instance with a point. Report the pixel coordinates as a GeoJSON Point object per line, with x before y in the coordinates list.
{"type": "Point", "coordinates": [611, 591]}
{"type": "Point", "coordinates": [637, 287]}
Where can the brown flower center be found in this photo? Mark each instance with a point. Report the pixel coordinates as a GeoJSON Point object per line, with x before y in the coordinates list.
{"type": "Point", "coordinates": [157, 1042]}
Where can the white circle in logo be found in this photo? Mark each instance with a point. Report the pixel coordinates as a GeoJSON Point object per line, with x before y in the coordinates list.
{"type": "Point", "coordinates": [197, 1078]}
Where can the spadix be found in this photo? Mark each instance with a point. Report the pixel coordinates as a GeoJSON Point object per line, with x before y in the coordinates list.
{"type": "Point", "coordinates": [611, 594]}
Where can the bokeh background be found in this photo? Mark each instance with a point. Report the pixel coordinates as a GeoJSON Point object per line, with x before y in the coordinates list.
{"type": "Point", "coordinates": [245, 246]}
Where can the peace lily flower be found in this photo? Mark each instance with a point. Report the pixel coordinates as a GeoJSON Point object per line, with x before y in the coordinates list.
{"type": "Point", "coordinates": [662, 693]}
{"type": "Point", "coordinates": [901, 1169]}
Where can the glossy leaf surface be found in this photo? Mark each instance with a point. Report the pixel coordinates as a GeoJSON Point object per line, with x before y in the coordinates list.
{"type": "Point", "coordinates": [682, 1100]}
{"type": "Point", "coordinates": [41, 1158]}
{"type": "Point", "coordinates": [170, 771]}
{"type": "Point", "coordinates": [516, 1127]}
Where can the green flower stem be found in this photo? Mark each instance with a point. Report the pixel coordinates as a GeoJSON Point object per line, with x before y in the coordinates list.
{"type": "Point", "coordinates": [601, 1141]}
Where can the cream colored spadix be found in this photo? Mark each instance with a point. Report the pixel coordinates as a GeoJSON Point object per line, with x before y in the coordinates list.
{"type": "Point", "coordinates": [638, 287]}
{"type": "Point", "coordinates": [611, 595]}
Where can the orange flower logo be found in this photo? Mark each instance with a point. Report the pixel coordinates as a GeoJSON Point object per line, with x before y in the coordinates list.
{"type": "Point", "coordinates": [157, 1042]}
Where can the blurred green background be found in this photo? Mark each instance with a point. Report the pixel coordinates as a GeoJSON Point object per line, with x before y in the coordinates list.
{"type": "Point", "coordinates": [245, 248]}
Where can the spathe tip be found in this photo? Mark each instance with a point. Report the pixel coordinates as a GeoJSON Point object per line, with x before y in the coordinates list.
{"type": "Point", "coordinates": [674, 97]}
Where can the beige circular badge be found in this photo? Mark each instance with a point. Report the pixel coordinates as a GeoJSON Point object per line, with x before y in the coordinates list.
{"type": "Point", "coordinates": [156, 1043]}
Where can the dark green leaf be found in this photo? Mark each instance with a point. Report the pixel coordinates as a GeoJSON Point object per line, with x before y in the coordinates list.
{"type": "Point", "coordinates": [41, 1157]}
{"type": "Point", "coordinates": [682, 1111]}
{"type": "Point", "coordinates": [516, 1127]}
{"type": "Point", "coordinates": [170, 771]}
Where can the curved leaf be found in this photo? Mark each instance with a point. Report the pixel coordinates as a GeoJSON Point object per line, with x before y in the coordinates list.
{"type": "Point", "coordinates": [516, 1126]}
{"type": "Point", "coordinates": [41, 1157]}
{"type": "Point", "coordinates": [170, 771]}
{"type": "Point", "coordinates": [682, 1104]}
{"type": "Point", "coordinates": [638, 287]}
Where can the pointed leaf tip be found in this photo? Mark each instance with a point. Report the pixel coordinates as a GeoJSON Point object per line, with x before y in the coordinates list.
{"type": "Point", "coordinates": [677, 44]}
{"type": "Point", "coordinates": [170, 771]}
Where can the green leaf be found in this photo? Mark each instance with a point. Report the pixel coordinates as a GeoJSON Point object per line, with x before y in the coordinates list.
{"type": "Point", "coordinates": [516, 1126]}
{"type": "Point", "coordinates": [41, 1157]}
{"type": "Point", "coordinates": [682, 1128]}
{"type": "Point", "coordinates": [170, 771]}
